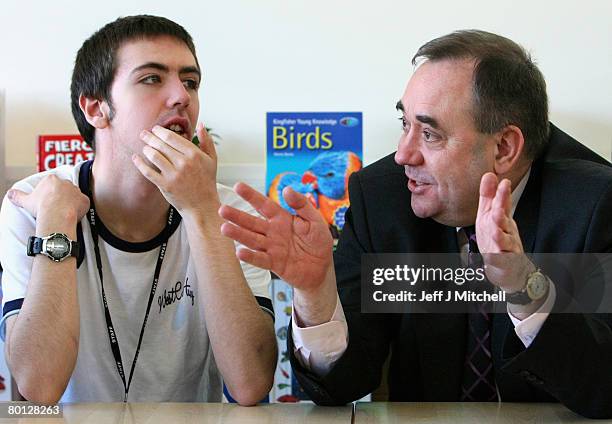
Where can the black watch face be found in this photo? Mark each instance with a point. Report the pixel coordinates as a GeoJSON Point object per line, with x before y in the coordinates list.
{"type": "Point", "coordinates": [58, 247]}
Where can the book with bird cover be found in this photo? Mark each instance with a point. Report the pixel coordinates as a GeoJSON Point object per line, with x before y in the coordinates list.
{"type": "Point", "coordinates": [314, 153]}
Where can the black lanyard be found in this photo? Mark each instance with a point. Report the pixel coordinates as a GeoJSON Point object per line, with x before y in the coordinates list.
{"type": "Point", "coordinates": [112, 336]}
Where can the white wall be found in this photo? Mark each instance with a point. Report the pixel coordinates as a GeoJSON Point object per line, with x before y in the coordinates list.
{"type": "Point", "coordinates": [316, 55]}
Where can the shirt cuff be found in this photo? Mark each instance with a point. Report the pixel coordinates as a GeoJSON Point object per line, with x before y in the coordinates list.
{"type": "Point", "coordinates": [317, 348]}
{"type": "Point", "coordinates": [528, 329]}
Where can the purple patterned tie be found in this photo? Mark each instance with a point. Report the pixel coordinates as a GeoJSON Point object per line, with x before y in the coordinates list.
{"type": "Point", "coordinates": [478, 374]}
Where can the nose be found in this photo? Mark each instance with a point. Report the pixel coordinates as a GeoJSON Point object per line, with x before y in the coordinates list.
{"type": "Point", "coordinates": [178, 95]}
{"type": "Point", "coordinates": [408, 150]}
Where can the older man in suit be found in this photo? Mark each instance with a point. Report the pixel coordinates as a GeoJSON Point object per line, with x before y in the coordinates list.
{"type": "Point", "coordinates": [478, 166]}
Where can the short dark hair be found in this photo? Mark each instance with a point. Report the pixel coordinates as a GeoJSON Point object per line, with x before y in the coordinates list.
{"type": "Point", "coordinates": [95, 64]}
{"type": "Point", "coordinates": [508, 87]}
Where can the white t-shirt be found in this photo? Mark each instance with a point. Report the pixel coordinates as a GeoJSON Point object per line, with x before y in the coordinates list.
{"type": "Point", "coordinates": [176, 361]}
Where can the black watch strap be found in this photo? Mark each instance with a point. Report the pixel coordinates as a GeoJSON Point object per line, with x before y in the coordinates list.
{"type": "Point", "coordinates": [75, 248]}
{"type": "Point", "coordinates": [35, 245]}
{"type": "Point", "coordinates": [518, 298]}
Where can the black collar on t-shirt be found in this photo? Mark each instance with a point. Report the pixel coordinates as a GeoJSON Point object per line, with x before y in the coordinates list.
{"type": "Point", "coordinates": [110, 238]}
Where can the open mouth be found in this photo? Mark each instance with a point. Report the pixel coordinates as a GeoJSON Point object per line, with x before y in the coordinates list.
{"type": "Point", "coordinates": [178, 129]}
{"type": "Point", "coordinates": [417, 187]}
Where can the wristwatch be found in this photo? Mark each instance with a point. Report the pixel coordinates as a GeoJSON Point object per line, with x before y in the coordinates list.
{"type": "Point", "coordinates": [55, 246]}
{"type": "Point", "coordinates": [535, 289]}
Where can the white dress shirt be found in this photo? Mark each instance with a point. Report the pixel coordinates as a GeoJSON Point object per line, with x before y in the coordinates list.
{"type": "Point", "coordinates": [318, 348]}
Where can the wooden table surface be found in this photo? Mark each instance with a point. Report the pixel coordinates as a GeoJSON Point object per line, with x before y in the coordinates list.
{"type": "Point", "coordinates": [465, 412]}
{"type": "Point", "coordinates": [365, 412]}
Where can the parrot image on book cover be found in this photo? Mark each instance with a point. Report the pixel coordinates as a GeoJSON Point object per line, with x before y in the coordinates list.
{"type": "Point", "coordinates": [324, 183]}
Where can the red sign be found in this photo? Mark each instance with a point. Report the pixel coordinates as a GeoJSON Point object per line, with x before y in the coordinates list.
{"type": "Point", "coordinates": [58, 150]}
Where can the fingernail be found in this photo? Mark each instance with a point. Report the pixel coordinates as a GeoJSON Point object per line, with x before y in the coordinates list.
{"type": "Point", "coordinates": [10, 194]}
{"type": "Point", "coordinates": [143, 134]}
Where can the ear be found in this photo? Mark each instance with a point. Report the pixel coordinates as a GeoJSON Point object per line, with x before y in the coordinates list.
{"type": "Point", "coordinates": [96, 111]}
{"type": "Point", "coordinates": [509, 149]}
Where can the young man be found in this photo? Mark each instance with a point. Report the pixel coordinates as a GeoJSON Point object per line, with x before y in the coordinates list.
{"type": "Point", "coordinates": [476, 150]}
{"type": "Point", "coordinates": [151, 303]}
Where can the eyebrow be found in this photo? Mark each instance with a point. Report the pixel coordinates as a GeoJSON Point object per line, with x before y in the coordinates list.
{"type": "Point", "coordinates": [426, 119]}
{"type": "Point", "coordinates": [164, 68]}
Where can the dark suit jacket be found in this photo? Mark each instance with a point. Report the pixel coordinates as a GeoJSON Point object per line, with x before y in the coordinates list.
{"type": "Point", "coordinates": [566, 207]}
